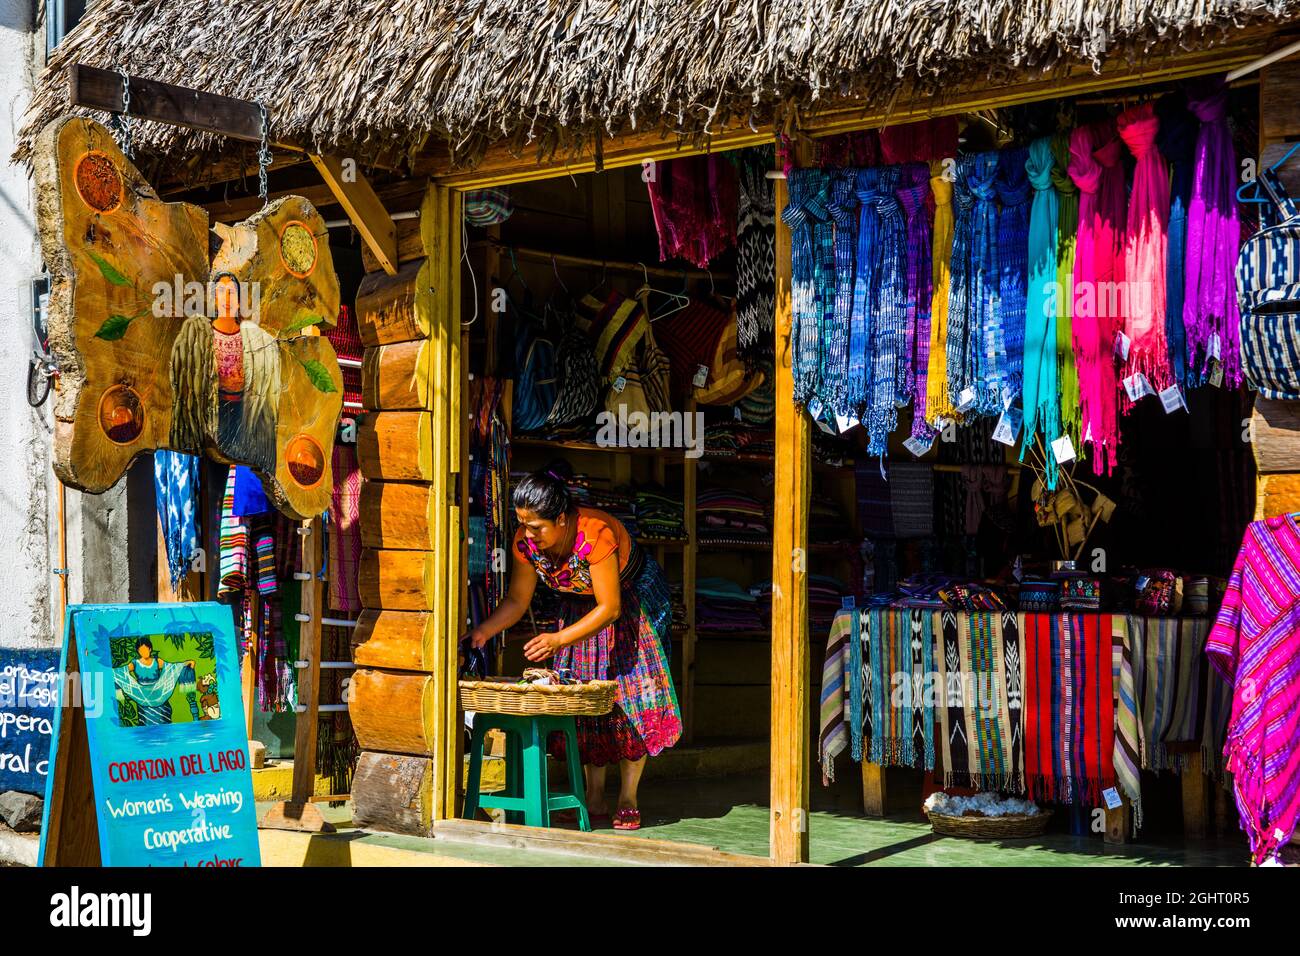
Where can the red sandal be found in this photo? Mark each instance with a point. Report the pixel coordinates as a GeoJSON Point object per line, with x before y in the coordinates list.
{"type": "Point", "coordinates": [627, 819]}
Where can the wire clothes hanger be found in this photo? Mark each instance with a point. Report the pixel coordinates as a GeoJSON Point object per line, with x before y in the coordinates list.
{"type": "Point", "coordinates": [1254, 184]}
{"type": "Point", "coordinates": [678, 301]}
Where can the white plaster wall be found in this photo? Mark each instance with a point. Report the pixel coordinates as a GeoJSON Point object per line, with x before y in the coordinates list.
{"type": "Point", "coordinates": [28, 538]}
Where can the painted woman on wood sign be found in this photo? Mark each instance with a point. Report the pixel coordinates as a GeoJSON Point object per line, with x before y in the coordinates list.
{"type": "Point", "coordinates": [149, 682]}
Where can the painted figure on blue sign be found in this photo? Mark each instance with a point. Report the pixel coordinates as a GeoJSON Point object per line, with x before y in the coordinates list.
{"type": "Point", "coordinates": [150, 681]}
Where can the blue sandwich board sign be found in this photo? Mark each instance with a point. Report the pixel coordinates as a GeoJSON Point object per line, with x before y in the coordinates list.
{"type": "Point", "coordinates": [149, 763]}
{"type": "Point", "coordinates": [28, 690]}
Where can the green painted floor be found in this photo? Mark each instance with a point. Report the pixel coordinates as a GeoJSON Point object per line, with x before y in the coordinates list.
{"type": "Point", "coordinates": [732, 815]}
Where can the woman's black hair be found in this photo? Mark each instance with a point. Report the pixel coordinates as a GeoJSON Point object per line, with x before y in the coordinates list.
{"type": "Point", "coordinates": [546, 492]}
{"type": "Point", "coordinates": [144, 642]}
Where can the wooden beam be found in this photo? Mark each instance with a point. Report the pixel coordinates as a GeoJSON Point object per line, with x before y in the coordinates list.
{"type": "Point", "coordinates": [788, 826]}
{"type": "Point", "coordinates": [358, 199]}
{"type": "Point", "coordinates": [98, 89]}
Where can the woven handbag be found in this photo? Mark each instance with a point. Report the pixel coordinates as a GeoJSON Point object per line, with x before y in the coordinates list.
{"type": "Point", "coordinates": [1268, 294]}
{"type": "Point", "coordinates": [579, 391]}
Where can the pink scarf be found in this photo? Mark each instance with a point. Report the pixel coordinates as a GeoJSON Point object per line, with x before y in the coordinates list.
{"type": "Point", "coordinates": [1145, 246]}
{"type": "Point", "coordinates": [1213, 237]}
{"type": "Point", "coordinates": [1098, 268]}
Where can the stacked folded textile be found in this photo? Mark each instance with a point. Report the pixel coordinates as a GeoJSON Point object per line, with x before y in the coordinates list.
{"type": "Point", "coordinates": [659, 516]}
{"type": "Point", "coordinates": [1040, 596]}
{"type": "Point", "coordinates": [825, 598]}
{"type": "Point", "coordinates": [723, 605]}
{"type": "Point", "coordinates": [1080, 594]}
{"type": "Point", "coordinates": [731, 517]}
{"type": "Point", "coordinates": [971, 597]}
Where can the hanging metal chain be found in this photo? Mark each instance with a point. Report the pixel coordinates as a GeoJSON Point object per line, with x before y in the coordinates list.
{"type": "Point", "coordinates": [263, 154]}
{"type": "Point", "coordinates": [124, 118]}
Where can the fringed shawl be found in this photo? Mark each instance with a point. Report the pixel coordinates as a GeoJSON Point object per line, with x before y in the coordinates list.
{"type": "Point", "coordinates": [1098, 268]}
{"type": "Point", "coordinates": [1146, 242]}
{"type": "Point", "coordinates": [693, 201]}
{"type": "Point", "coordinates": [914, 198]}
{"type": "Point", "coordinates": [884, 294]}
{"type": "Point", "coordinates": [1067, 225]}
{"type": "Point", "coordinates": [1014, 193]}
{"type": "Point", "coordinates": [974, 328]}
{"type": "Point", "coordinates": [755, 257]}
{"type": "Point", "coordinates": [176, 490]}
{"type": "Point", "coordinates": [1213, 237]}
{"type": "Point", "coordinates": [843, 209]}
{"type": "Point", "coordinates": [811, 272]}
{"type": "Point", "coordinates": [1177, 142]}
{"type": "Point", "coordinates": [1041, 399]}
{"type": "Point", "coordinates": [938, 402]}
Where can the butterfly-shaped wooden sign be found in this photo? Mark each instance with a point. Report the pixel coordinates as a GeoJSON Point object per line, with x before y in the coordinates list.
{"type": "Point", "coordinates": [170, 335]}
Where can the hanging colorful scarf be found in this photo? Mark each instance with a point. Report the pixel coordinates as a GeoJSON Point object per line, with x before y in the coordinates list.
{"type": "Point", "coordinates": [898, 714]}
{"type": "Point", "coordinates": [833, 732]}
{"type": "Point", "coordinates": [1041, 400]}
{"type": "Point", "coordinates": [1213, 237]}
{"type": "Point", "coordinates": [176, 487]}
{"type": "Point", "coordinates": [976, 353]}
{"type": "Point", "coordinates": [884, 296]}
{"type": "Point", "coordinates": [1126, 757]}
{"type": "Point", "coordinates": [914, 197]}
{"type": "Point", "coordinates": [938, 403]}
{"type": "Point", "coordinates": [866, 260]}
{"type": "Point", "coordinates": [1069, 710]}
{"type": "Point", "coordinates": [843, 209]}
{"type": "Point", "coordinates": [693, 201]}
{"type": "Point", "coordinates": [1098, 268]}
{"type": "Point", "coordinates": [1177, 142]}
{"type": "Point", "coordinates": [1013, 254]}
{"type": "Point", "coordinates": [919, 142]}
{"type": "Point", "coordinates": [1146, 243]}
{"type": "Point", "coordinates": [345, 530]}
{"type": "Point", "coordinates": [233, 543]}
{"type": "Point", "coordinates": [1067, 225]}
{"type": "Point", "coordinates": [1166, 674]}
{"type": "Point", "coordinates": [811, 274]}
{"type": "Point", "coordinates": [979, 672]}
{"type": "Point", "coordinates": [755, 256]}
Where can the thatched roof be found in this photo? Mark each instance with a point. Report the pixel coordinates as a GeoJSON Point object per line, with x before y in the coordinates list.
{"type": "Point", "coordinates": [369, 76]}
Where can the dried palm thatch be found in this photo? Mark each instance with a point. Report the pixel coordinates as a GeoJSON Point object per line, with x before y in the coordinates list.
{"type": "Point", "coordinates": [366, 77]}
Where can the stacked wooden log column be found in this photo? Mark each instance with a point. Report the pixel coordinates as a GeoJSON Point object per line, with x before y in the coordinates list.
{"type": "Point", "coordinates": [402, 698]}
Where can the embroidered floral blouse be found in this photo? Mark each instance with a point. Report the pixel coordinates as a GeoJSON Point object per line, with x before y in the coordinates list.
{"type": "Point", "coordinates": [599, 535]}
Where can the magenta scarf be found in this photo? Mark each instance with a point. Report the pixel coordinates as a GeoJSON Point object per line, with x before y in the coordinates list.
{"type": "Point", "coordinates": [1098, 269]}
{"type": "Point", "coordinates": [1213, 237]}
{"type": "Point", "coordinates": [1145, 244]}
{"type": "Point", "coordinates": [914, 196]}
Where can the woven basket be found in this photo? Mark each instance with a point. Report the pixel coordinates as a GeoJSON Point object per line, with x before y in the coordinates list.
{"type": "Point", "coordinates": [502, 695]}
{"type": "Point", "coordinates": [1010, 827]}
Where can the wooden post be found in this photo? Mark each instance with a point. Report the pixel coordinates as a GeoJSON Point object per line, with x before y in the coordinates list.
{"type": "Point", "coordinates": [788, 835]}
{"type": "Point", "coordinates": [1119, 824]}
{"type": "Point", "coordinates": [1196, 810]}
{"type": "Point", "coordinates": [875, 793]}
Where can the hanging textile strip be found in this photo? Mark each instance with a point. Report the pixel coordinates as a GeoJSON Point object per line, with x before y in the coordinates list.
{"type": "Point", "coordinates": [233, 543]}
{"type": "Point", "coordinates": [693, 201]}
{"type": "Point", "coordinates": [870, 238]}
{"type": "Point", "coordinates": [1213, 237]}
{"type": "Point", "coordinates": [345, 530]}
{"type": "Point", "coordinates": [978, 741]}
{"type": "Point", "coordinates": [899, 655]}
{"type": "Point", "coordinates": [859, 681]}
{"type": "Point", "coordinates": [843, 210]}
{"type": "Point", "coordinates": [1214, 729]}
{"type": "Point", "coordinates": [919, 142]}
{"type": "Point", "coordinates": [1067, 225]}
{"type": "Point", "coordinates": [1146, 244]}
{"type": "Point", "coordinates": [888, 314]}
{"type": "Point", "coordinates": [1014, 192]}
{"type": "Point", "coordinates": [176, 487]}
{"type": "Point", "coordinates": [1127, 753]}
{"type": "Point", "coordinates": [922, 691]}
{"type": "Point", "coordinates": [976, 356]}
{"type": "Point", "coordinates": [264, 549]}
{"type": "Point", "coordinates": [1177, 142]}
{"type": "Point", "coordinates": [938, 402]}
{"type": "Point", "coordinates": [914, 197]}
{"type": "Point", "coordinates": [1098, 268]}
{"type": "Point", "coordinates": [832, 735]}
{"type": "Point", "coordinates": [811, 274]}
{"type": "Point", "coordinates": [1166, 661]}
{"type": "Point", "coordinates": [755, 256]}
{"type": "Point", "coordinates": [1070, 716]}
{"type": "Point", "coordinates": [1041, 399]}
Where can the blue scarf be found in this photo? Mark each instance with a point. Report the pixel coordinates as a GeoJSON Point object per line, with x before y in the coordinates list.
{"type": "Point", "coordinates": [976, 354]}
{"type": "Point", "coordinates": [176, 485]}
{"type": "Point", "coordinates": [1042, 404]}
{"type": "Point", "coordinates": [811, 274]}
{"type": "Point", "coordinates": [835, 364]}
{"type": "Point", "coordinates": [1177, 143]}
{"type": "Point", "coordinates": [866, 186]}
{"type": "Point", "coordinates": [1013, 266]}
{"type": "Point", "coordinates": [884, 295]}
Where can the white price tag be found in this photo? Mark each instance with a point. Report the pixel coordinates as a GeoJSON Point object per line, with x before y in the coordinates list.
{"type": "Point", "coordinates": [1112, 798]}
{"type": "Point", "coordinates": [844, 422]}
{"type": "Point", "coordinates": [1009, 395]}
{"type": "Point", "coordinates": [1137, 387]}
{"type": "Point", "coordinates": [966, 399]}
{"type": "Point", "coordinates": [815, 409]}
{"type": "Point", "coordinates": [1008, 427]}
{"type": "Point", "coordinates": [1215, 346]}
{"type": "Point", "coordinates": [1216, 374]}
{"type": "Point", "coordinates": [1172, 399]}
{"type": "Point", "coordinates": [918, 446]}
{"type": "Point", "coordinates": [701, 376]}
{"type": "Point", "coordinates": [735, 413]}
{"type": "Point", "coordinates": [620, 383]}
{"type": "Point", "coordinates": [1063, 449]}
{"type": "Point", "coordinates": [1122, 346]}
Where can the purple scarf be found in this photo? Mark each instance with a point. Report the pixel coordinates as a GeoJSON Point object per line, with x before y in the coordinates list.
{"type": "Point", "coordinates": [1213, 237]}
{"type": "Point", "coordinates": [913, 194]}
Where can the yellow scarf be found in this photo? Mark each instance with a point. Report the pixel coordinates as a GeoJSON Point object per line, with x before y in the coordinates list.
{"type": "Point", "coordinates": [938, 404]}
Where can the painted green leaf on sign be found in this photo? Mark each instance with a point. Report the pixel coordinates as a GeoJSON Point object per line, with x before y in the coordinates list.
{"type": "Point", "coordinates": [107, 270]}
{"type": "Point", "coordinates": [114, 328]}
{"type": "Point", "coordinates": [319, 375]}
{"type": "Point", "coordinates": [301, 321]}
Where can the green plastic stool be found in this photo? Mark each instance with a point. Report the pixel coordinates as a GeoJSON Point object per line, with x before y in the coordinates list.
{"type": "Point", "coordinates": [527, 797]}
